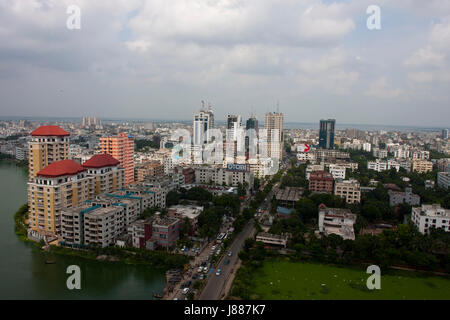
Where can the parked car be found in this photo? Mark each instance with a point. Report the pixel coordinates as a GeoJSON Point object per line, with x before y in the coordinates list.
{"type": "Point", "coordinates": [218, 272]}
{"type": "Point", "coordinates": [205, 269]}
{"type": "Point", "coordinates": [185, 290]}
{"type": "Point", "coordinates": [202, 277]}
{"type": "Point", "coordinates": [195, 276]}
{"type": "Point", "coordinates": [200, 269]}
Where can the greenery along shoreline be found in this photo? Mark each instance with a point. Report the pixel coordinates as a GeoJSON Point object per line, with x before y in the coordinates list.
{"type": "Point", "coordinates": [158, 259]}
{"type": "Point", "coordinates": [10, 159]}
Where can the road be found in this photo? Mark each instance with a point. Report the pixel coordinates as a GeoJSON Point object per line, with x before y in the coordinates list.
{"type": "Point", "coordinates": [214, 287]}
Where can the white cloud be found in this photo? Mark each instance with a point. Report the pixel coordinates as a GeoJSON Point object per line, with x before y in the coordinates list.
{"type": "Point", "coordinates": [425, 57]}
{"type": "Point", "coordinates": [234, 22]}
{"type": "Point", "coordinates": [420, 77]}
{"type": "Point", "coordinates": [380, 88]}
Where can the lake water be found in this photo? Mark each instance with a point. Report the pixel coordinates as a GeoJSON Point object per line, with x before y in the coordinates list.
{"type": "Point", "coordinates": [24, 274]}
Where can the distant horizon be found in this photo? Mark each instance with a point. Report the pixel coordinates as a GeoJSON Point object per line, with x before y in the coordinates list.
{"type": "Point", "coordinates": [339, 125]}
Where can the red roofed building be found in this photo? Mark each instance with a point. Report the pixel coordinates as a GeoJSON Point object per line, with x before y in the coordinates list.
{"type": "Point", "coordinates": [49, 131]}
{"type": "Point", "coordinates": [100, 161]}
{"type": "Point", "coordinates": [61, 168]}
{"type": "Point", "coordinates": [48, 144]}
{"type": "Point", "coordinates": [64, 184]}
{"type": "Point", "coordinates": [58, 186]}
{"type": "Point", "coordinates": [107, 174]}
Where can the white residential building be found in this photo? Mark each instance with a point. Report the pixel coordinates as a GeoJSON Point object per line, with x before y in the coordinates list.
{"type": "Point", "coordinates": [337, 171]}
{"type": "Point", "coordinates": [337, 221]}
{"type": "Point", "coordinates": [233, 175]}
{"type": "Point", "coordinates": [312, 168]}
{"type": "Point", "coordinates": [380, 153]}
{"type": "Point", "coordinates": [380, 166]}
{"type": "Point", "coordinates": [430, 216]}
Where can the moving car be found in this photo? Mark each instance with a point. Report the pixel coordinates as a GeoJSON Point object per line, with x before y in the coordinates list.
{"type": "Point", "coordinates": [230, 253]}
{"type": "Point", "coordinates": [218, 272]}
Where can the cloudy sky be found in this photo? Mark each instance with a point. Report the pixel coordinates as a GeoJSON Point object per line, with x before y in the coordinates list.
{"type": "Point", "coordinates": [160, 58]}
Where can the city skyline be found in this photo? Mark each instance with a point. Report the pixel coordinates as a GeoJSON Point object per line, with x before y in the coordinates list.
{"type": "Point", "coordinates": [321, 62]}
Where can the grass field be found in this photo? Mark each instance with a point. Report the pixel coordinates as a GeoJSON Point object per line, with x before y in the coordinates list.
{"type": "Point", "coordinates": [282, 280]}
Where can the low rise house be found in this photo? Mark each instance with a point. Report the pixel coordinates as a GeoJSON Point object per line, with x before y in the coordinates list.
{"type": "Point", "coordinates": [337, 221]}
{"type": "Point", "coordinates": [337, 171]}
{"type": "Point", "coordinates": [422, 166]}
{"type": "Point", "coordinates": [165, 231]}
{"type": "Point", "coordinates": [321, 181]}
{"type": "Point", "coordinates": [380, 165]}
{"type": "Point", "coordinates": [288, 196]}
{"type": "Point", "coordinates": [430, 216]}
{"type": "Point", "coordinates": [141, 232]}
{"type": "Point", "coordinates": [272, 239]}
{"type": "Point", "coordinates": [396, 197]}
{"type": "Point", "coordinates": [349, 190]}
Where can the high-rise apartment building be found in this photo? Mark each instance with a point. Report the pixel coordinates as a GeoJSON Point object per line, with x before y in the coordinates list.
{"type": "Point", "coordinates": [60, 185]}
{"type": "Point", "coordinates": [90, 122]}
{"type": "Point", "coordinates": [444, 133]}
{"type": "Point", "coordinates": [121, 147]}
{"type": "Point", "coordinates": [203, 121]}
{"type": "Point", "coordinates": [107, 175]}
{"type": "Point", "coordinates": [274, 124]}
{"type": "Point", "coordinates": [48, 144]}
{"type": "Point", "coordinates": [326, 134]}
{"type": "Point", "coordinates": [65, 184]}
{"type": "Point", "coordinates": [251, 124]}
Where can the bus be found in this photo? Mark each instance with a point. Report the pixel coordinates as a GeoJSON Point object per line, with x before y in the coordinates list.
{"type": "Point", "coordinates": [220, 237]}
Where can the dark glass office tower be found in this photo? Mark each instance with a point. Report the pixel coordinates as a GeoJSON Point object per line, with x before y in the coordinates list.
{"type": "Point", "coordinates": [326, 134]}
{"type": "Point", "coordinates": [252, 123]}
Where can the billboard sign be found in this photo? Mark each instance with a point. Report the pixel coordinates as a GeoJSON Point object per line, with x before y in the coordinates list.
{"type": "Point", "coordinates": [303, 148]}
{"type": "Point", "coordinates": [237, 167]}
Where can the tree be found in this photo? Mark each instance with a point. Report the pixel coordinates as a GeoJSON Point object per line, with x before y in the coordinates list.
{"type": "Point", "coordinates": [371, 212]}
{"type": "Point", "coordinates": [307, 209]}
{"type": "Point", "coordinates": [185, 228]}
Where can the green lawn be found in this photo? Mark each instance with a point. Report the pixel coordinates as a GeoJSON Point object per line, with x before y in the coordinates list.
{"type": "Point", "coordinates": [282, 280]}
